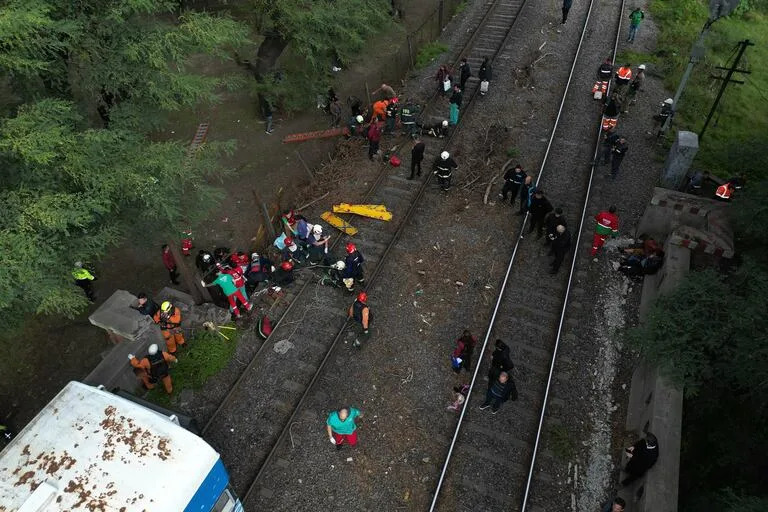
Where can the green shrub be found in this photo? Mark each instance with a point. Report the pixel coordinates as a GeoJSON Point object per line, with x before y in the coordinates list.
{"type": "Point", "coordinates": [428, 53]}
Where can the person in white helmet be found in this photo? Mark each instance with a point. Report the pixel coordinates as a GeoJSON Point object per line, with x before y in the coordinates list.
{"type": "Point", "coordinates": [318, 244]}
{"type": "Point", "coordinates": [667, 111]}
{"type": "Point", "coordinates": [438, 130]}
{"type": "Point", "coordinates": [154, 368]}
{"type": "Point", "coordinates": [444, 167]}
{"type": "Point", "coordinates": [259, 270]}
{"type": "Point", "coordinates": [355, 125]}
{"type": "Point", "coordinates": [636, 85]}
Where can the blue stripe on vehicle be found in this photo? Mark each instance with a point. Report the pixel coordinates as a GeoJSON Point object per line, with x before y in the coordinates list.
{"type": "Point", "coordinates": [210, 490]}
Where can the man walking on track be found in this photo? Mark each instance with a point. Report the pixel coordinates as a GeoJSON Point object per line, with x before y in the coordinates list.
{"type": "Point", "coordinates": [417, 155]}
{"type": "Point", "coordinates": [341, 426]}
{"type": "Point", "coordinates": [607, 225]}
{"type": "Point", "coordinates": [635, 17]}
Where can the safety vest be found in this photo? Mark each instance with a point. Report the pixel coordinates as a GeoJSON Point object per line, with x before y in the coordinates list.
{"type": "Point", "coordinates": [624, 73]}
{"type": "Point", "coordinates": [609, 123]}
{"type": "Point", "coordinates": [158, 368]}
{"type": "Point", "coordinates": [82, 274]}
{"type": "Point", "coordinates": [724, 191]}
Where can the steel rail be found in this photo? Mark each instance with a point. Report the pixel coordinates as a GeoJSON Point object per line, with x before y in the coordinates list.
{"type": "Point", "coordinates": [371, 190]}
{"type": "Point", "coordinates": [505, 282]}
{"type": "Point", "coordinates": [374, 275]}
{"type": "Point", "coordinates": [564, 309]}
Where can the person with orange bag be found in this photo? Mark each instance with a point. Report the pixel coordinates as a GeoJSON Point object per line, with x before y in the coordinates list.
{"type": "Point", "coordinates": [169, 320]}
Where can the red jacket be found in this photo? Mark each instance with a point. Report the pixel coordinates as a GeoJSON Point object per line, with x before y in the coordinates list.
{"type": "Point", "coordinates": [607, 223]}
{"type": "Point", "coordinates": [237, 276]}
{"type": "Point", "coordinates": [374, 132]}
{"type": "Point", "coordinates": [168, 260]}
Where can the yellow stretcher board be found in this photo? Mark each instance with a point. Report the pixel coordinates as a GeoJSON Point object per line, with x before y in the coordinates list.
{"type": "Point", "coordinates": [374, 211]}
{"type": "Point", "coordinates": [338, 223]}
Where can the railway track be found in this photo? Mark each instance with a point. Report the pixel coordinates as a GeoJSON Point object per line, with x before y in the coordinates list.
{"type": "Point", "coordinates": [254, 419]}
{"type": "Point", "coordinates": [491, 465]}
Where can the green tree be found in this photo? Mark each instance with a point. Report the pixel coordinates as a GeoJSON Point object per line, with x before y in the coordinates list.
{"type": "Point", "coordinates": [316, 33]}
{"type": "Point", "coordinates": [70, 193]}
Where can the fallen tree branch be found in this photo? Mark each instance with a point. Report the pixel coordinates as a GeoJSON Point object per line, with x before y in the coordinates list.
{"type": "Point", "coordinates": [312, 202]}
{"type": "Point", "coordinates": [490, 183]}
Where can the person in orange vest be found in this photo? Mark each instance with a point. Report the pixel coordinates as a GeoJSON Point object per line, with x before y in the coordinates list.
{"type": "Point", "coordinates": [623, 77]}
{"type": "Point", "coordinates": [607, 225]}
{"type": "Point", "coordinates": [169, 320]}
{"type": "Point", "coordinates": [154, 368]}
{"type": "Point", "coordinates": [379, 111]}
{"type": "Point", "coordinates": [725, 191]}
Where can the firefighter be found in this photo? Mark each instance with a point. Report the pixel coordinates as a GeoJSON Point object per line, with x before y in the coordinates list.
{"type": "Point", "coordinates": [355, 125]}
{"type": "Point", "coordinates": [513, 180]}
{"type": "Point", "coordinates": [84, 279]}
{"type": "Point", "coordinates": [444, 167]}
{"type": "Point", "coordinates": [259, 270]}
{"type": "Point", "coordinates": [353, 267]}
{"type": "Point", "coordinates": [607, 225]}
{"type": "Point", "coordinates": [204, 261]}
{"type": "Point", "coordinates": [169, 320]}
{"type": "Point", "coordinates": [233, 292]}
{"type": "Point", "coordinates": [361, 314]}
{"type": "Point", "coordinates": [408, 114]}
{"type": "Point", "coordinates": [293, 251]}
{"type": "Point", "coordinates": [438, 130]}
{"type": "Point", "coordinates": [667, 111]}
{"type": "Point", "coordinates": [393, 108]}
{"type": "Point", "coordinates": [154, 368]}
{"type": "Point", "coordinates": [283, 275]}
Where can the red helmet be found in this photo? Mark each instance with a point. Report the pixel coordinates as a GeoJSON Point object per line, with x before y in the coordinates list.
{"type": "Point", "coordinates": [351, 248]}
{"type": "Point", "coordinates": [289, 216]}
{"type": "Point", "coordinates": [286, 265]}
{"type": "Point", "coordinates": [288, 241]}
{"type": "Point", "coordinates": [362, 297]}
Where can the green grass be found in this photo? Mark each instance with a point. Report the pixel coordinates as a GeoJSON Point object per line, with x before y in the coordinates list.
{"type": "Point", "coordinates": [204, 355]}
{"type": "Point", "coordinates": [461, 7]}
{"type": "Point", "coordinates": [560, 443]}
{"type": "Point", "coordinates": [428, 53]}
{"type": "Point", "coordinates": [512, 152]}
{"type": "Point", "coordinates": [737, 137]}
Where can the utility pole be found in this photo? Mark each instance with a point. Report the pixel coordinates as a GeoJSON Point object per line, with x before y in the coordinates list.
{"type": "Point", "coordinates": [717, 10]}
{"type": "Point", "coordinates": [727, 80]}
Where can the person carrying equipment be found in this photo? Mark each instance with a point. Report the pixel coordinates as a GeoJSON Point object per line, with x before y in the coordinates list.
{"type": "Point", "coordinates": [361, 314]}
{"type": "Point", "coordinates": [353, 267]}
{"type": "Point", "coordinates": [154, 368]}
{"type": "Point", "coordinates": [169, 320]}
{"type": "Point", "coordinates": [444, 167]}
{"type": "Point", "coordinates": [232, 291]}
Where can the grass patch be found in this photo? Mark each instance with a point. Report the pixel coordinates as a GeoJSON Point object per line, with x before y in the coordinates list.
{"type": "Point", "coordinates": [512, 152]}
{"type": "Point", "coordinates": [560, 443]}
{"type": "Point", "coordinates": [737, 136]}
{"type": "Point", "coordinates": [461, 7]}
{"type": "Point", "coordinates": [204, 355]}
{"type": "Point", "coordinates": [428, 53]}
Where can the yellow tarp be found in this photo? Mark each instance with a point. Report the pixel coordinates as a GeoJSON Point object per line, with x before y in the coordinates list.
{"type": "Point", "coordinates": [338, 223]}
{"type": "Point", "coordinates": [374, 211]}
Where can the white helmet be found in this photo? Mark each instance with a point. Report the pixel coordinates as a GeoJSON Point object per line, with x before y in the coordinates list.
{"type": "Point", "coordinates": [444, 155]}
{"type": "Point", "coordinates": [340, 265]}
{"type": "Point", "coordinates": [79, 264]}
{"type": "Point", "coordinates": [254, 256]}
{"type": "Point", "coordinates": [668, 101]}
{"type": "Point", "coordinates": [152, 350]}
{"type": "Point", "coordinates": [641, 66]}
{"type": "Point", "coordinates": [359, 119]}
{"type": "Point", "coordinates": [445, 123]}
{"type": "Point", "coordinates": [317, 229]}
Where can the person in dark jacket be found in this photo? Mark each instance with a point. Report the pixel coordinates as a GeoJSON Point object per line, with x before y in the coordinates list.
{"type": "Point", "coordinates": [499, 391]}
{"type": "Point", "coordinates": [609, 139]}
{"type": "Point", "coordinates": [485, 73]}
{"type": "Point", "coordinates": [539, 208]}
{"type": "Point", "coordinates": [417, 155]}
{"type": "Point", "coordinates": [554, 219]}
{"type": "Point", "coordinates": [444, 166]}
{"type": "Point", "coordinates": [170, 264]}
{"type": "Point", "coordinates": [456, 99]}
{"type": "Point", "coordinates": [500, 361]}
{"type": "Point", "coordinates": [465, 72]}
{"type": "Point", "coordinates": [642, 456]}
{"type": "Point", "coordinates": [618, 151]}
{"type": "Point", "coordinates": [613, 107]}
{"type": "Point", "coordinates": [526, 194]}
{"type": "Point", "coordinates": [374, 137]}
{"type": "Point", "coordinates": [605, 71]}
{"type": "Point", "coordinates": [513, 180]}
{"type": "Point", "coordinates": [463, 351]}
{"type": "Point", "coordinates": [560, 247]}
{"type": "Point", "coordinates": [566, 7]}
{"type": "Point", "coordinates": [353, 267]}
{"type": "Point", "coordinates": [145, 305]}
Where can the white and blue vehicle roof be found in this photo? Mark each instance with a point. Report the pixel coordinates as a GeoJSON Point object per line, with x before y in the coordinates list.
{"type": "Point", "coordinates": [91, 450]}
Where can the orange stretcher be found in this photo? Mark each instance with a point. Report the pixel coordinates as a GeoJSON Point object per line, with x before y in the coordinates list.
{"type": "Point", "coordinates": [320, 134]}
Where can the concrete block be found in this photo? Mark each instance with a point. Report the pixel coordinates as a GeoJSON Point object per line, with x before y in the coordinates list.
{"type": "Point", "coordinates": [669, 209]}
{"type": "Point", "coordinates": [679, 159]}
{"type": "Point", "coordinates": [116, 316]}
{"type": "Point", "coordinates": [703, 241]}
{"type": "Point", "coordinates": [178, 298]}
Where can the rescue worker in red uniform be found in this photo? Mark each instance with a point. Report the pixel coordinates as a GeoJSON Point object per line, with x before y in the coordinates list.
{"type": "Point", "coordinates": [607, 225]}
{"type": "Point", "coordinates": [154, 368]}
{"type": "Point", "coordinates": [361, 314]}
{"type": "Point", "coordinates": [725, 191]}
{"type": "Point", "coordinates": [232, 290]}
{"type": "Point", "coordinates": [169, 320]}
